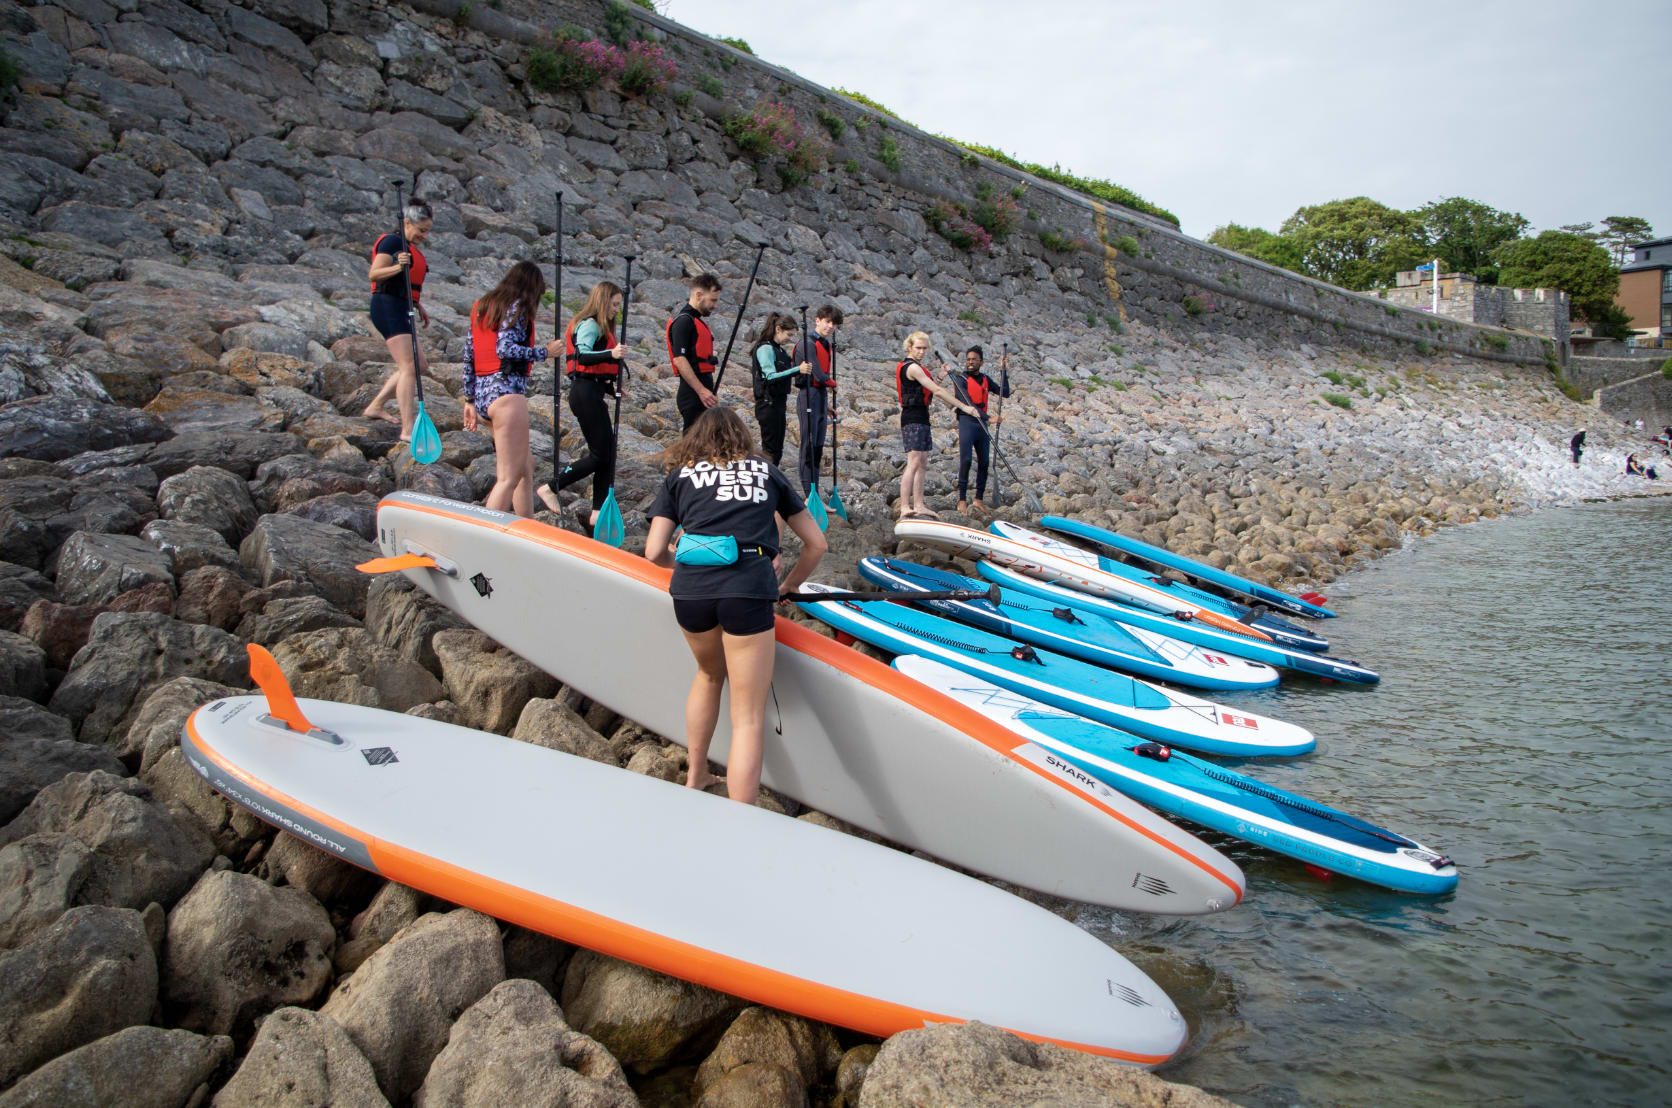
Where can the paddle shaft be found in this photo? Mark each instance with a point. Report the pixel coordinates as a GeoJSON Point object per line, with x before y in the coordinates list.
{"type": "Point", "coordinates": [738, 322]}
{"type": "Point", "coordinates": [621, 378]}
{"type": "Point", "coordinates": [406, 276]}
{"type": "Point", "coordinates": [998, 417]}
{"type": "Point", "coordinates": [557, 330]}
{"type": "Point", "coordinates": [988, 594]}
{"type": "Point", "coordinates": [835, 431]}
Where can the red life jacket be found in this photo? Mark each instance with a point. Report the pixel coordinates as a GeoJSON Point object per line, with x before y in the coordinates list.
{"type": "Point", "coordinates": [397, 286]}
{"type": "Point", "coordinates": [484, 344]}
{"type": "Point", "coordinates": [571, 355]}
{"type": "Point", "coordinates": [822, 351]}
{"type": "Point", "coordinates": [914, 401]}
{"type": "Point", "coordinates": [705, 344]}
{"type": "Point", "coordinates": [978, 388]}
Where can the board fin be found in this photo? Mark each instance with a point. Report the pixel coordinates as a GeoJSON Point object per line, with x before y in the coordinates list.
{"type": "Point", "coordinates": [1319, 872]}
{"type": "Point", "coordinates": [281, 702]}
{"type": "Point", "coordinates": [398, 563]}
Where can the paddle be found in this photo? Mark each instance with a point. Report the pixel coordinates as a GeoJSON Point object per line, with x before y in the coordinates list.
{"type": "Point", "coordinates": [609, 528]}
{"type": "Point", "coordinates": [836, 504]}
{"type": "Point", "coordinates": [426, 441]}
{"type": "Point", "coordinates": [998, 420]}
{"type": "Point", "coordinates": [738, 322]}
{"type": "Point", "coordinates": [557, 383]}
{"type": "Point", "coordinates": [814, 504]}
{"type": "Point", "coordinates": [988, 594]}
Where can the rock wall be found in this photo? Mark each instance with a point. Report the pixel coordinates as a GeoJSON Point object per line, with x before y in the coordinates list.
{"type": "Point", "coordinates": [1647, 397]}
{"type": "Point", "coordinates": [1590, 373]}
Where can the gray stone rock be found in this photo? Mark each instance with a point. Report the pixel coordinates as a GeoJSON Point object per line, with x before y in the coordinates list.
{"type": "Point", "coordinates": [323, 876]}
{"type": "Point", "coordinates": [22, 666]}
{"type": "Point", "coordinates": [237, 452]}
{"type": "Point", "coordinates": [488, 683]}
{"type": "Point", "coordinates": [394, 906]}
{"type": "Point", "coordinates": [90, 974]}
{"type": "Point", "coordinates": [187, 545]}
{"type": "Point", "coordinates": [348, 665]}
{"type": "Point", "coordinates": [25, 721]}
{"type": "Point", "coordinates": [267, 36]}
{"type": "Point", "coordinates": [289, 548]}
{"type": "Point", "coordinates": [37, 513]}
{"type": "Point", "coordinates": [139, 1067]}
{"type": "Point", "coordinates": [54, 427]}
{"type": "Point", "coordinates": [267, 337]}
{"type": "Point", "coordinates": [20, 587]}
{"type": "Point", "coordinates": [212, 595]}
{"type": "Point", "coordinates": [352, 511]}
{"type": "Point", "coordinates": [512, 1047]}
{"type": "Point", "coordinates": [763, 1046]}
{"type": "Point", "coordinates": [30, 762]}
{"type": "Point", "coordinates": [646, 1020]}
{"type": "Point", "coordinates": [95, 569]}
{"type": "Point", "coordinates": [401, 616]}
{"type": "Point", "coordinates": [400, 1004]}
{"type": "Point", "coordinates": [156, 723]}
{"type": "Point", "coordinates": [281, 617]}
{"type": "Point", "coordinates": [556, 726]}
{"type": "Point", "coordinates": [190, 409]}
{"type": "Point", "coordinates": [239, 948]}
{"type": "Point", "coordinates": [301, 1059]}
{"type": "Point", "coordinates": [209, 497]}
{"type": "Point", "coordinates": [316, 320]}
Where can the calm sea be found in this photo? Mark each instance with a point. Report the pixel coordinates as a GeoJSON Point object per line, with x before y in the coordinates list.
{"type": "Point", "coordinates": [1523, 727]}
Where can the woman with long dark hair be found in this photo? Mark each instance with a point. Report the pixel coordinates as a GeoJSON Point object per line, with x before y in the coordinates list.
{"type": "Point", "coordinates": [728, 499]}
{"type": "Point", "coordinates": [593, 360]}
{"type": "Point", "coordinates": [499, 350]}
{"type": "Point", "coordinates": [773, 374]}
{"type": "Point", "coordinates": [393, 258]}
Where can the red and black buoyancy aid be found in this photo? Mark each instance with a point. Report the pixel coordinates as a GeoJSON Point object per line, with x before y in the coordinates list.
{"type": "Point", "coordinates": [977, 388]}
{"type": "Point", "coordinates": [484, 345]}
{"type": "Point", "coordinates": [822, 379]}
{"type": "Point", "coordinates": [396, 285]}
{"type": "Point", "coordinates": [914, 397]}
{"type": "Point", "coordinates": [703, 363]}
{"type": "Point", "coordinates": [572, 356]}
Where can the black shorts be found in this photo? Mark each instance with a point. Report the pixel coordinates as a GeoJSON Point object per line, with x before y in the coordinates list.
{"type": "Point", "coordinates": [735, 615]}
{"type": "Point", "coordinates": [391, 315]}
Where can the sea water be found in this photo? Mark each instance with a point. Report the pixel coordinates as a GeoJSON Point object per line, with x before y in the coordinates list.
{"type": "Point", "coordinates": [1523, 727]}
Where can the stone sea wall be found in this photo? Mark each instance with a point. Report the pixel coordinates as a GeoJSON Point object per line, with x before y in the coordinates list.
{"type": "Point", "coordinates": [188, 192]}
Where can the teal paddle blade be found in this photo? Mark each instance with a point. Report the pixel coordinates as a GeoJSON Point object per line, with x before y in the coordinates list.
{"type": "Point", "coordinates": [426, 441]}
{"type": "Point", "coordinates": [836, 504]}
{"type": "Point", "coordinates": [609, 529]}
{"type": "Point", "coordinates": [816, 506]}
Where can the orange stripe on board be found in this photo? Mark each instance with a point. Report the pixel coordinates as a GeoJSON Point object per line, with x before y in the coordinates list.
{"type": "Point", "coordinates": [936, 704]}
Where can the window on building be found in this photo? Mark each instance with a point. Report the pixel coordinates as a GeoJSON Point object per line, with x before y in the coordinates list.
{"type": "Point", "coordinates": [1666, 319]}
{"type": "Point", "coordinates": [1666, 280]}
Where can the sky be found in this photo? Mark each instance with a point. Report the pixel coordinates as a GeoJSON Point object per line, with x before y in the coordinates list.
{"type": "Point", "coordinates": [1237, 112]}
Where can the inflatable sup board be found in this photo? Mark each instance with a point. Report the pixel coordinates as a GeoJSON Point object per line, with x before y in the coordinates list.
{"type": "Point", "coordinates": [1272, 653]}
{"type": "Point", "coordinates": [1083, 635]}
{"type": "Point", "coordinates": [772, 909]}
{"type": "Point", "coordinates": [1199, 571]}
{"type": "Point", "coordinates": [1206, 794]}
{"type": "Point", "coordinates": [846, 734]}
{"type": "Point", "coordinates": [1067, 683]}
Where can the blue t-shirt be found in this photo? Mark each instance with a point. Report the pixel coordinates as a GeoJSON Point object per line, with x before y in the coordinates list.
{"type": "Point", "coordinates": [737, 499]}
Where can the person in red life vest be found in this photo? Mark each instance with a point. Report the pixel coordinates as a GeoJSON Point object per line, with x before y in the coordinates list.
{"type": "Point", "coordinates": [729, 500]}
{"type": "Point", "coordinates": [499, 348]}
{"type": "Point", "coordinates": [812, 407]}
{"type": "Point", "coordinates": [975, 388]}
{"type": "Point", "coordinates": [772, 371]}
{"type": "Point", "coordinates": [393, 256]}
{"type": "Point", "coordinates": [915, 384]}
{"type": "Point", "coordinates": [593, 359]}
{"type": "Point", "coordinates": [691, 349]}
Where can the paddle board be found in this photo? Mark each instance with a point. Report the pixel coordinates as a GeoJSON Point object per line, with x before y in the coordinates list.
{"type": "Point", "coordinates": [1272, 653]}
{"type": "Point", "coordinates": [1199, 571]}
{"type": "Point", "coordinates": [1083, 635]}
{"type": "Point", "coordinates": [846, 734]}
{"type": "Point", "coordinates": [1091, 691]}
{"type": "Point", "coordinates": [775, 910]}
{"type": "Point", "coordinates": [1174, 782]}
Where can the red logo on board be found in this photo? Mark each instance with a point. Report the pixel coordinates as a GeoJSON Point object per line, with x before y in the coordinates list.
{"type": "Point", "coordinates": [1240, 721]}
{"type": "Point", "coordinates": [1216, 659]}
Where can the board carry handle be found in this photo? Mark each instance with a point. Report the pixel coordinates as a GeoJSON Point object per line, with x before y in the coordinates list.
{"type": "Point", "coordinates": [281, 702]}
{"type": "Point", "coordinates": [991, 595]}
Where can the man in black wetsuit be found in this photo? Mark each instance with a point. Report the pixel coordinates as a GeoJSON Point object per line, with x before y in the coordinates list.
{"type": "Point", "coordinates": [1577, 445]}
{"type": "Point", "coordinates": [812, 407]}
{"type": "Point", "coordinates": [974, 388]}
{"type": "Point", "coordinates": [691, 350]}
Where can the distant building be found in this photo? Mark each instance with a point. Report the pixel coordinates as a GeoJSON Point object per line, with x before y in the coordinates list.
{"type": "Point", "coordinates": [1646, 289]}
{"type": "Point", "coordinates": [1543, 312]}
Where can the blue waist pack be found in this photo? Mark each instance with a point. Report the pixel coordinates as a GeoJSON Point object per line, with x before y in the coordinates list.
{"type": "Point", "coordinates": [706, 550]}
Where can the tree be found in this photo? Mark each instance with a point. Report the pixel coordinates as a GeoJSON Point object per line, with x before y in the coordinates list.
{"type": "Point", "coordinates": [1581, 229]}
{"type": "Point", "coordinates": [1566, 261]}
{"type": "Point", "coordinates": [1620, 231]}
{"type": "Point", "coordinates": [1257, 242]}
{"type": "Point", "coordinates": [1356, 243]}
{"type": "Point", "coordinates": [1468, 234]}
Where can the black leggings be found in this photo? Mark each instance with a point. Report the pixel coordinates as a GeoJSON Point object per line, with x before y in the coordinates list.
{"type": "Point", "coordinates": [972, 438]}
{"type": "Point", "coordinates": [770, 414]}
{"type": "Point", "coordinates": [589, 400]}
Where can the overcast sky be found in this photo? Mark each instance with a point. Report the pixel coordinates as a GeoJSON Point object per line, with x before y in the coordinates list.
{"type": "Point", "coordinates": [1224, 111]}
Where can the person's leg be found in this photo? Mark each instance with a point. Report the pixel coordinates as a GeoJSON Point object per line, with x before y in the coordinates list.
{"type": "Point", "coordinates": [702, 704]}
{"type": "Point", "coordinates": [401, 383]}
{"type": "Point", "coordinates": [512, 490]}
{"type": "Point", "coordinates": [807, 470]}
{"type": "Point", "coordinates": [406, 387]}
{"type": "Point", "coordinates": [905, 482]}
{"type": "Point", "coordinates": [983, 450]}
{"type": "Point", "coordinates": [748, 662]}
{"type": "Point", "coordinates": [965, 441]}
{"type": "Point", "coordinates": [586, 403]}
{"type": "Point", "coordinates": [917, 483]}
{"type": "Point", "coordinates": [818, 420]}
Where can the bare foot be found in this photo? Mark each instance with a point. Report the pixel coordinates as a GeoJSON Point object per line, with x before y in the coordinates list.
{"type": "Point", "coordinates": [963, 507]}
{"type": "Point", "coordinates": [980, 508]}
{"type": "Point", "coordinates": [375, 411]}
{"type": "Point", "coordinates": [549, 499]}
{"type": "Point", "coordinates": [706, 781]}
{"type": "Point", "coordinates": [927, 512]}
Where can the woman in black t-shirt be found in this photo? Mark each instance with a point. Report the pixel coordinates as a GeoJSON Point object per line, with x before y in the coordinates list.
{"type": "Point", "coordinates": [395, 259]}
{"type": "Point", "coordinates": [728, 499]}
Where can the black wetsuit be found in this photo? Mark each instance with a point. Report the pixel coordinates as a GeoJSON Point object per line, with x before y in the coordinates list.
{"type": "Point", "coordinates": [812, 407]}
{"type": "Point", "coordinates": [973, 434]}
{"type": "Point", "coordinates": [771, 398]}
{"type": "Point", "coordinates": [589, 393]}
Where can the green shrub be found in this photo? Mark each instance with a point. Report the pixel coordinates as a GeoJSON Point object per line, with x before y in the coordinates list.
{"type": "Point", "coordinates": [620, 27]}
{"type": "Point", "coordinates": [888, 153]}
{"type": "Point", "coordinates": [969, 316]}
{"type": "Point", "coordinates": [710, 85]}
{"type": "Point", "coordinates": [997, 215]}
{"type": "Point", "coordinates": [1059, 243]}
{"type": "Point", "coordinates": [1391, 310]}
{"type": "Point", "coordinates": [953, 224]}
{"type": "Point", "coordinates": [1192, 306]}
{"type": "Point", "coordinates": [1338, 400]}
{"type": "Point", "coordinates": [1063, 381]}
{"type": "Point", "coordinates": [1114, 323]}
{"type": "Point", "coordinates": [1496, 342]}
{"type": "Point", "coordinates": [573, 62]}
{"type": "Point", "coordinates": [1332, 376]}
{"type": "Point", "coordinates": [851, 165]}
{"type": "Point", "coordinates": [461, 17]}
{"type": "Point", "coordinates": [683, 97]}
{"type": "Point", "coordinates": [770, 132]}
{"type": "Point", "coordinates": [1126, 244]}
{"type": "Point", "coordinates": [861, 98]}
{"type": "Point", "coordinates": [645, 70]}
{"type": "Point", "coordinates": [738, 44]}
{"type": "Point", "coordinates": [969, 160]}
{"type": "Point", "coordinates": [1424, 348]}
{"type": "Point", "coordinates": [832, 124]}
{"type": "Point", "coordinates": [1091, 319]}
{"type": "Point", "coordinates": [1090, 186]}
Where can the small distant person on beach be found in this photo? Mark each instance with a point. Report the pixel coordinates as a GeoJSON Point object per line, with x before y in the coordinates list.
{"type": "Point", "coordinates": [728, 499]}
{"type": "Point", "coordinates": [974, 436]}
{"type": "Point", "coordinates": [593, 360]}
{"type": "Point", "coordinates": [1577, 445]}
{"type": "Point", "coordinates": [812, 407]}
{"type": "Point", "coordinates": [915, 385]}
{"type": "Point", "coordinates": [393, 257]}
{"type": "Point", "coordinates": [691, 349]}
{"type": "Point", "coordinates": [499, 350]}
{"type": "Point", "coordinates": [1635, 468]}
{"type": "Point", "coordinates": [773, 372]}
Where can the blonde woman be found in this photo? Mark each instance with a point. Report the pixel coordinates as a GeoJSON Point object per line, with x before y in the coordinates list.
{"type": "Point", "coordinates": [593, 359]}
{"type": "Point", "coordinates": [916, 386]}
{"type": "Point", "coordinates": [394, 259]}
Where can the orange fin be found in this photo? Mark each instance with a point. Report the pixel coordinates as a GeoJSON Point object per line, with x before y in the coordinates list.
{"type": "Point", "coordinates": [400, 562]}
{"type": "Point", "coordinates": [281, 703]}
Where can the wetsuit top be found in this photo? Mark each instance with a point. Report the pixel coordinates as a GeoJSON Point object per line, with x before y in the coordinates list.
{"type": "Point", "coordinates": [975, 389]}
{"type": "Point", "coordinates": [736, 499]}
{"type": "Point", "coordinates": [914, 398]}
{"type": "Point", "coordinates": [511, 348]}
{"type": "Point", "coordinates": [819, 377]}
{"type": "Point", "coordinates": [1577, 440]}
{"type": "Point", "coordinates": [772, 370]}
{"type": "Point", "coordinates": [393, 245]}
{"type": "Point", "coordinates": [690, 338]}
{"type": "Point", "coordinates": [586, 349]}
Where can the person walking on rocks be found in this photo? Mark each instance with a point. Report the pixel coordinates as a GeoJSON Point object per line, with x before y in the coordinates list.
{"type": "Point", "coordinates": [975, 387]}
{"type": "Point", "coordinates": [393, 256]}
{"type": "Point", "coordinates": [691, 349]}
{"type": "Point", "coordinates": [773, 371]}
{"type": "Point", "coordinates": [916, 387]}
{"type": "Point", "coordinates": [593, 360]}
{"type": "Point", "coordinates": [499, 350]}
{"type": "Point", "coordinates": [812, 407]}
{"type": "Point", "coordinates": [728, 499]}
{"type": "Point", "coordinates": [1577, 445]}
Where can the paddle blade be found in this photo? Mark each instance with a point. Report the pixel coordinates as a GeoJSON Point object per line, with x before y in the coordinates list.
{"type": "Point", "coordinates": [426, 441]}
{"type": "Point", "coordinates": [610, 529]}
{"type": "Point", "coordinates": [816, 506]}
{"type": "Point", "coordinates": [836, 504]}
{"type": "Point", "coordinates": [397, 563]}
{"type": "Point", "coordinates": [1316, 598]}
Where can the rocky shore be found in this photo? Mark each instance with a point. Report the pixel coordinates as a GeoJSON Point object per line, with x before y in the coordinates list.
{"type": "Point", "coordinates": [187, 197]}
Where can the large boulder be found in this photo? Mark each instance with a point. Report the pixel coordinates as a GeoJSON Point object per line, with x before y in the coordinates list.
{"type": "Point", "coordinates": [240, 453]}
{"type": "Point", "coordinates": [139, 1067]}
{"type": "Point", "coordinates": [190, 546]}
{"type": "Point", "coordinates": [54, 427]}
{"type": "Point", "coordinates": [345, 664]}
{"type": "Point", "coordinates": [556, 726]}
{"type": "Point", "coordinates": [90, 974]}
{"type": "Point", "coordinates": [400, 615]}
{"type": "Point", "coordinates": [36, 750]}
{"type": "Point", "coordinates": [647, 1020]}
{"type": "Point", "coordinates": [394, 906]}
{"type": "Point", "coordinates": [766, 1050]}
{"type": "Point", "coordinates": [96, 569]}
{"type": "Point", "coordinates": [20, 587]}
{"type": "Point", "coordinates": [209, 497]}
{"type": "Point", "coordinates": [399, 1006]}
{"type": "Point", "coordinates": [22, 665]}
{"type": "Point", "coordinates": [489, 683]}
{"type": "Point", "coordinates": [513, 1047]}
{"type": "Point", "coordinates": [301, 1059]}
{"type": "Point", "coordinates": [323, 557]}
